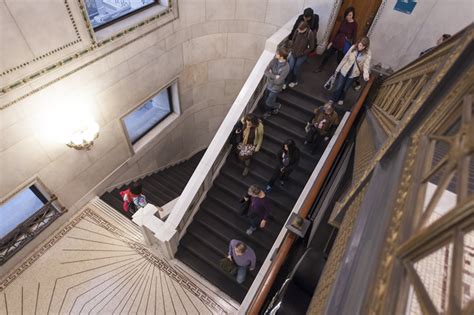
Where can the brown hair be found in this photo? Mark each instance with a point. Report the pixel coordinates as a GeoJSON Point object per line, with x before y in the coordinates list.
{"type": "Point", "coordinates": [282, 52]}
{"type": "Point", "coordinates": [241, 247]}
{"type": "Point", "coordinates": [252, 118]}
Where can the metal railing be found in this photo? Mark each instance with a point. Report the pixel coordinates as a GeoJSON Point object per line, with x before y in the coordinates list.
{"type": "Point", "coordinates": [29, 229]}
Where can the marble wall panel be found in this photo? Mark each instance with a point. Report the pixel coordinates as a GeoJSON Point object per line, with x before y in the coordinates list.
{"type": "Point", "coordinates": [64, 169]}
{"type": "Point", "coordinates": [223, 69]}
{"type": "Point", "coordinates": [45, 26]}
{"type": "Point", "coordinates": [233, 87]}
{"type": "Point", "coordinates": [191, 12]}
{"type": "Point", "coordinates": [281, 11]}
{"type": "Point", "coordinates": [16, 51]}
{"type": "Point", "coordinates": [246, 46]}
{"type": "Point", "coordinates": [193, 75]}
{"type": "Point", "coordinates": [251, 10]}
{"type": "Point", "coordinates": [236, 26]}
{"type": "Point", "coordinates": [13, 134]}
{"type": "Point", "coordinates": [207, 28]}
{"type": "Point", "coordinates": [220, 9]}
{"type": "Point", "coordinates": [261, 29]}
{"type": "Point", "coordinates": [19, 163]}
{"type": "Point", "coordinates": [204, 48]}
{"type": "Point", "coordinates": [110, 135]}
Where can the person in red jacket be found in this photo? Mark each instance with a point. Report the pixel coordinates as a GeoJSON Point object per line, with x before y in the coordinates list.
{"type": "Point", "coordinates": [131, 196]}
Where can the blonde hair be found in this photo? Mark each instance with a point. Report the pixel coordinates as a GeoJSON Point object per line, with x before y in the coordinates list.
{"type": "Point", "coordinates": [254, 190]}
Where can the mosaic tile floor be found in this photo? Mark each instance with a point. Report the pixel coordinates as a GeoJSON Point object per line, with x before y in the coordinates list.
{"type": "Point", "coordinates": [96, 265]}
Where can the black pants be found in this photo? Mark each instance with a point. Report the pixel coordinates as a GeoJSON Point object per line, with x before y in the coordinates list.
{"type": "Point", "coordinates": [313, 136]}
{"type": "Point", "coordinates": [278, 174]}
{"type": "Point", "coordinates": [329, 52]}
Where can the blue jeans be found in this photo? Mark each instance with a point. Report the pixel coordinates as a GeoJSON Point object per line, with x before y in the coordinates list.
{"type": "Point", "coordinates": [270, 101]}
{"type": "Point", "coordinates": [295, 67]}
{"type": "Point", "coordinates": [241, 274]}
{"type": "Point", "coordinates": [342, 85]}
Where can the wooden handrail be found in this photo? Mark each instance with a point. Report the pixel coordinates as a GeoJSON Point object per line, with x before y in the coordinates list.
{"type": "Point", "coordinates": [287, 243]}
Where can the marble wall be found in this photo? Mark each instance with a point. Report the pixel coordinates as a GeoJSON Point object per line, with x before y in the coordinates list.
{"type": "Point", "coordinates": [398, 38]}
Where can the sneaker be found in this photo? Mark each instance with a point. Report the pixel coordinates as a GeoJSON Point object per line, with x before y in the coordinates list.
{"type": "Point", "coordinates": [340, 103]}
{"type": "Point", "coordinates": [268, 189]}
{"type": "Point", "coordinates": [284, 87]}
{"type": "Point", "coordinates": [276, 109]}
{"type": "Point", "coordinates": [282, 182]}
{"type": "Point", "coordinates": [245, 172]}
{"type": "Point", "coordinates": [266, 115]}
{"type": "Point", "coordinates": [357, 87]}
{"type": "Point", "coordinates": [250, 230]}
{"type": "Point", "coordinates": [293, 84]}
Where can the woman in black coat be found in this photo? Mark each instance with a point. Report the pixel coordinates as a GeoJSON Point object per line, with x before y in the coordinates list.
{"type": "Point", "coordinates": [288, 158]}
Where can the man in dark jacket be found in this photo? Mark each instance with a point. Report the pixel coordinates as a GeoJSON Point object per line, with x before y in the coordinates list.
{"type": "Point", "coordinates": [311, 19]}
{"type": "Point", "coordinates": [302, 45]}
{"type": "Point", "coordinates": [276, 73]}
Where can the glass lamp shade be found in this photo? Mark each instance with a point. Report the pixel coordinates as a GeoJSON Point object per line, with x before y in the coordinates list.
{"type": "Point", "coordinates": [84, 139]}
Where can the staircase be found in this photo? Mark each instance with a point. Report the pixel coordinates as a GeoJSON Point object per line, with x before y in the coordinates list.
{"type": "Point", "coordinates": [218, 219]}
{"type": "Point", "coordinates": [160, 187]}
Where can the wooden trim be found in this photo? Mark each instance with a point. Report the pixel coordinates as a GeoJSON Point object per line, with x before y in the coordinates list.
{"type": "Point", "coordinates": [280, 258]}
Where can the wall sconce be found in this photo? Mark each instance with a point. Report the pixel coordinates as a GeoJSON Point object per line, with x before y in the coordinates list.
{"type": "Point", "coordinates": [84, 139]}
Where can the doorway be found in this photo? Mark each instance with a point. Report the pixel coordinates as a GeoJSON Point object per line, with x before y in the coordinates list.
{"type": "Point", "coordinates": [365, 12]}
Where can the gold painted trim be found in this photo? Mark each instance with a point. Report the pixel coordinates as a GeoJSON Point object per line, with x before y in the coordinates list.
{"type": "Point", "coordinates": [405, 195]}
{"type": "Point", "coordinates": [25, 80]}
{"type": "Point", "coordinates": [54, 51]}
{"type": "Point", "coordinates": [331, 270]}
{"type": "Point", "coordinates": [411, 113]}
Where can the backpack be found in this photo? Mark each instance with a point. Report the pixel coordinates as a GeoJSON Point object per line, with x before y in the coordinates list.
{"type": "Point", "coordinates": [140, 201]}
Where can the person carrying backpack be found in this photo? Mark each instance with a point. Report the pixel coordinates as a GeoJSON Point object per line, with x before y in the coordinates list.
{"type": "Point", "coordinates": [311, 19]}
{"type": "Point", "coordinates": [133, 199]}
{"type": "Point", "coordinates": [302, 43]}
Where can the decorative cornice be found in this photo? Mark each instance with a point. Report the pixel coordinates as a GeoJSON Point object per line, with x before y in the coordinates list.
{"type": "Point", "coordinates": [54, 51]}
{"type": "Point", "coordinates": [94, 46]}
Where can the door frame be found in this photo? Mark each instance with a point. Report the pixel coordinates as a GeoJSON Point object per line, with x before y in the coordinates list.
{"type": "Point", "coordinates": [332, 20]}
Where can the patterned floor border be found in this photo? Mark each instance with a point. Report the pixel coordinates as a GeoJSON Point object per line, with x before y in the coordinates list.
{"type": "Point", "coordinates": [177, 276]}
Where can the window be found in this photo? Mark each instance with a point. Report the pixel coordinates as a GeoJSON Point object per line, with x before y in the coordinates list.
{"type": "Point", "coordinates": [148, 115]}
{"type": "Point", "coordinates": [104, 12]}
{"type": "Point", "coordinates": [24, 216]}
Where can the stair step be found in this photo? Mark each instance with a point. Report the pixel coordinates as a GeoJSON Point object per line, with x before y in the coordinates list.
{"type": "Point", "coordinates": [224, 236]}
{"type": "Point", "coordinates": [224, 281]}
{"type": "Point", "coordinates": [212, 221]}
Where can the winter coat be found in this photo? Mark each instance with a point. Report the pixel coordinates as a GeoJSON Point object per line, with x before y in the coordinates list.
{"type": "Point", "coordinates": [348, 61]}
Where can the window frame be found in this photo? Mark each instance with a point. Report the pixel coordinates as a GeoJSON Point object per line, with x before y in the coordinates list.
{"type": "Point", "coordinates": [49, 201]}
{"type": "Point", "coordinates": [123, 17]}
{"type": "Point", "coordinates": [172, 88]}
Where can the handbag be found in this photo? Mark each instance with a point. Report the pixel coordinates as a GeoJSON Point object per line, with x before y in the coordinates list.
{"type": "Point", "coordinates": [246, 150]}
{"type": "Point", "coordinates": [228, 265]}
{"type": "Point", "coordinates": [330, 82]}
